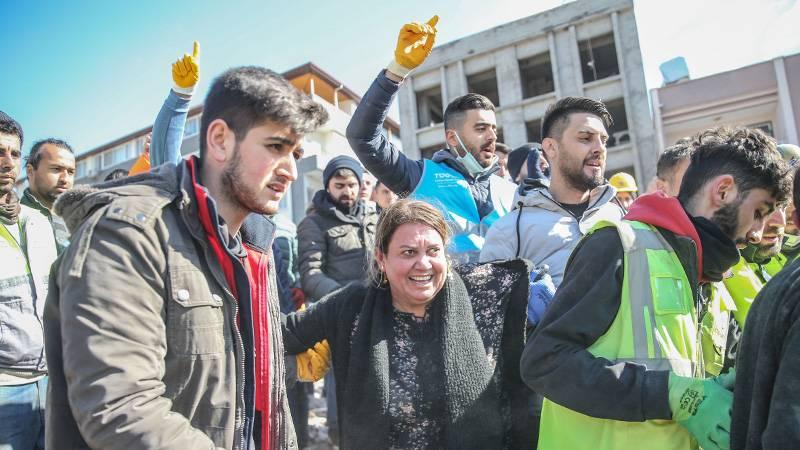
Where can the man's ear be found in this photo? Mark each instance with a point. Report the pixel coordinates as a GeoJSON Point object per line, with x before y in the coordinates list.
{"type": "Point", "coordinates": [220, 141]}
{"type": "Point", "coordinates": [723, 190]}
{"type": "Point", "coordinates": [550, 148]}
{"type": "Point", "coordinates": [796, 217]}
{"type": "Point", "coordinates": [29, 170]}
{"type": "Point", "coordinates": [450, 139]}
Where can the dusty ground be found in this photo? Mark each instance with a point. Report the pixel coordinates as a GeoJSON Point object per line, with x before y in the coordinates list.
{"type": "Point", "coordinates": [317, 428]}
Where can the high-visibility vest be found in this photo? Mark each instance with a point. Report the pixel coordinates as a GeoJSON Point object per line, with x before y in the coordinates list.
{"type": "Point", "coordinates": [743, 287]}
{"type": "Point", "coordinates": [447, 190]}
{"type": "Point", "coordinates": [655, 326]}
{"type": "Point", "coordinates": [27, 251]}
{"type": "Point", "coordinates": [714, 327]}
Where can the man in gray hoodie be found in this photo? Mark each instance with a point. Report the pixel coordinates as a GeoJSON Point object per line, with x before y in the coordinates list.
{"type": "Point", "coordinates": [549, 220]}
{"type": "Point", "coordinates": [550, 217]}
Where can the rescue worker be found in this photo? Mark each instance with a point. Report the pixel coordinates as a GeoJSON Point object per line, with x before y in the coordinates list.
{"type": "Point", "coordinates": [616, 354]}
{"type": "Point", "coordinates": [626, 189]}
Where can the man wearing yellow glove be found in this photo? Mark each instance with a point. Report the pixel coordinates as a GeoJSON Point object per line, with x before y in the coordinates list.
{"type": "Point", "coordinates": [165, 146]}
{"type": "Point", "coordinates": [460, 179]}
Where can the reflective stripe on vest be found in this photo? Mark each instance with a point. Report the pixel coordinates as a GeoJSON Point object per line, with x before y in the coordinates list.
{"type": "Point", "coordinates": [655, 327]}
{"type": "Point", "coordinates": [743, 287]}
{"type": "Point", "coordinates": [447, 190]}
{"type": "Point", "coordinates": [772, 268]}
{"type": "Point", "coordinates": [714, 326]}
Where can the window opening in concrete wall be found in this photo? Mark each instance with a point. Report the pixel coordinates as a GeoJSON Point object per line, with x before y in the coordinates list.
{"type": "Point", "coordinates": [536, 74]}
{"type": "Point", "coordinates": [429, 107]}
{"type": "Point", "coordinates": [533, 129]}
{"type": "Point", "coordinates": [618, 134]}
{"type": "Point", "coordinates": [598, 57]}
{"type": "Point", "coordinates": [192, 127]}
{"type": "Point", "coordinates": [500, 137]}
{"type": "Point", "coordinates": [485, 83]}
{"type": "Point", "coordinates": [427, 152]}
{"type": "Point", "coordinates": [766, 127]}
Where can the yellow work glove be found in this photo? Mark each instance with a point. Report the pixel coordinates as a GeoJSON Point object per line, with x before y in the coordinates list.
{"type": "Point", "coordinates": [414, 44]}
{"type": "Point", "coordinates": [314, 362]}
{"type": "Point", "coordinates": [186, 72]}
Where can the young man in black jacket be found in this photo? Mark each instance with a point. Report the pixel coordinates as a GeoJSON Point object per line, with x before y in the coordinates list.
{"type": "Point", "coordinates": [767, 392]}
{"type": "Point", "coordinates": [616, 354]}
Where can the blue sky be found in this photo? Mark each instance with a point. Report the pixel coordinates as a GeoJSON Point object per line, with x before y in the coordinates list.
{"type": "Point", "coordinates": [91, 71]}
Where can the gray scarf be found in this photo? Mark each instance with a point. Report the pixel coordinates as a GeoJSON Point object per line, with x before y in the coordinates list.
{"type": "Point", "coordinates": [9, 210]}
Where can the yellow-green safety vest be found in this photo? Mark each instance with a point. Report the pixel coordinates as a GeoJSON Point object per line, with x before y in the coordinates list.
{"type": "Point", "coordinates": [714, 327]}
{"type": "Point", "coordinates": [655, 326]}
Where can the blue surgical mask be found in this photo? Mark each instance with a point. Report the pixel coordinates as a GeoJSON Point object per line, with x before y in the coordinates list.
{"type": "Point", "coordinates": [468, 161]}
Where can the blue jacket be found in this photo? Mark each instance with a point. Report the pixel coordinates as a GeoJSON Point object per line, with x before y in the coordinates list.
{"type": "Point", "coordinates": [389, 165]}
{"type": "Point", "coordinates": [165, 143]}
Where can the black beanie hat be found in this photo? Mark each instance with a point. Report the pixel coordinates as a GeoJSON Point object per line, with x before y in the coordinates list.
{"type": "Point", "coordinates": [517, 158]}
{"type": "Point", "coordinates": [342, 162]}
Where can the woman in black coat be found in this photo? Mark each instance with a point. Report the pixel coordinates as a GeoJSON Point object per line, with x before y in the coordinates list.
{"type": "Point", "coordinates": [425, 355]}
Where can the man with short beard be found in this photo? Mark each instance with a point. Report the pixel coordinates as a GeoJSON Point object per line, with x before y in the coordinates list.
{"type": "Point", "coordinates": [27, 250]}
{"type": "Point", "coordinates": [333, 242]}
{"type": "Point", "coordinates": [460, 180]}
{"type": "Point", "coordinates": [335, 236]}
{"type": "Point", "coordinates": [547, 222]}
{"type": "Point", "coordinates": [51, 172]}
{"type": "Point", "coordinates": [162, 321]}
{"type": "Point", "coordinates": [616, 354]}
{"type": "Point", "coordinates": [767, 393]}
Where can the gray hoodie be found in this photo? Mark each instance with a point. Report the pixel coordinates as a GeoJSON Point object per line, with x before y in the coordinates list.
{"type": "Point", "coordinates": [541, 230]}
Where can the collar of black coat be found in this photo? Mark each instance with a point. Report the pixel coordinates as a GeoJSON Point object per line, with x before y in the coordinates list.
{"type": "Point", "coordinates": [323, 204]}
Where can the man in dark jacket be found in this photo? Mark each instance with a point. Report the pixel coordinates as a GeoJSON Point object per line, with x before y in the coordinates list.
{"type": "Point", "coordinates": [460, 180]}
{"type": "Point", "coordinates": [337, 232]}
{"type": "Point", "coordinates": [155, 319]}
{"type": "Point", "coordinates": [334, 239]}
{"type": "Point", "coordinates": [616, 354]}
{"type": "Point", "coordinates": [767, 391]}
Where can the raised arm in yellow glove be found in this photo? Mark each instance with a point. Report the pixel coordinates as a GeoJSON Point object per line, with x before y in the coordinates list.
{"type": "Point", "coordinates": [314, 362]}
{"type": "Point", "coordinates": [414, 44]}
{"type": "Point", "coordinates": [186, 72]}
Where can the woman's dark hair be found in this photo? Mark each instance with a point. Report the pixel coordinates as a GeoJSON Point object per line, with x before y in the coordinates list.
{"type": "Point", "coordinates": [400, 213]}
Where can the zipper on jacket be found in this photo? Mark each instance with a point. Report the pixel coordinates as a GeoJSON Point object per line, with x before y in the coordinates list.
{"type": "Point", "coordinates": [239, 384]}
{"type": "Point", "coordinates": [588, 207]}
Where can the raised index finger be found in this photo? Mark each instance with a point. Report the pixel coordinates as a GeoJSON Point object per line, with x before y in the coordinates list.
{"type": "Point", "coordinates": [196, 50]}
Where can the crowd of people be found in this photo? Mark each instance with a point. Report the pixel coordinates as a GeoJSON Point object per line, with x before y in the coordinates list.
{"type": "Point", "coordinates": [485, 298]}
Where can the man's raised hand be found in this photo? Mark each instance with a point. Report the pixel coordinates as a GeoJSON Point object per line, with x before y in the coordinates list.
{"type": "Point", "coordinates": [414, 44]}
{"type": "Point", "coordinates": [186, 71]}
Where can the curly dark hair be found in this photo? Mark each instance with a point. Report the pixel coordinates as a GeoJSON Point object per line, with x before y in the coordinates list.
{"type": "Point", "coordinates": [747, 154]}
